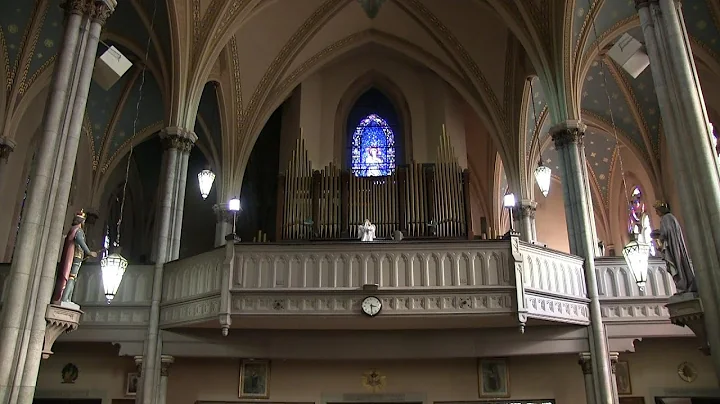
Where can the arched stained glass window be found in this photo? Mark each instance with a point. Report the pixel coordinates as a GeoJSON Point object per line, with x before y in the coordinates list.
{"type": "Point", "coordinates": [639, 222]}
{"type": "Point", "coordinates": [373, 148]}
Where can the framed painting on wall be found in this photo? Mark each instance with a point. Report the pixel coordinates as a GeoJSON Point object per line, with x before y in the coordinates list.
{"type": "Point", "coordinates": [622, 378]}
{"type": "Point", "coordinates": [131, 384]}
{"type": "Point", "coordinates": [254, 379]}
{"type": "Point", "coordinates": [493, 378]}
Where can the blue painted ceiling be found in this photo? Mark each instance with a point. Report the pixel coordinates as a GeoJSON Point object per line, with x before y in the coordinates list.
{"type": "Point", "coordinates": [110, 119]}
{"type": "Point", "coordinates": [625, 93]}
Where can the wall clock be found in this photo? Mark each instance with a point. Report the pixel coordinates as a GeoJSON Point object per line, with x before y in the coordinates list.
{"type": "Point", "coordinates": [371, 306]}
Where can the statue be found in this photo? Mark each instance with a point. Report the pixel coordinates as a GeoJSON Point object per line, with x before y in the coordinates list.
{"type": "Point", "coordinates": [373, 162]}
{"type": "Point", "coordinates": [367, 231]}
{"type": "Point", "coordinates": [671, 243]}
{"type": "Point", "coordinates": [75, 252]}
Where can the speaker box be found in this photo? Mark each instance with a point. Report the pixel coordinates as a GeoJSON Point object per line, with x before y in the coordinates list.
{"type": "Point", "coordinates": [629, 53]}
{"type": "Point", "coordinates": [109, 67]}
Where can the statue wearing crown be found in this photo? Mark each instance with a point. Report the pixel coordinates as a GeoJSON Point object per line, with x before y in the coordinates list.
{"type": "Point", "coordinates": [670, 241]}
{"type": "Point", "coordinates": [75, 252]}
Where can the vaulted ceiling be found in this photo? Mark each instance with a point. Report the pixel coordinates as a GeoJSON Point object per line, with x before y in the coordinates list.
{"type": "Point", "coordinates": [242, 58]}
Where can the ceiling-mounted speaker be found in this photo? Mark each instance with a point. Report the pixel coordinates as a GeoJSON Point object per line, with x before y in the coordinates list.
{"type": "Point", "coordinates": [110, 67]}
{"type": "Point", "coordinates": [629, 53]}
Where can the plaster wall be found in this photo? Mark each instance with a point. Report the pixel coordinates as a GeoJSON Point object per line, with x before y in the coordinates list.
{"type": "Point", "coordinates": [653, 370]}
{"type": "Point", "coordinates": [325, 95]}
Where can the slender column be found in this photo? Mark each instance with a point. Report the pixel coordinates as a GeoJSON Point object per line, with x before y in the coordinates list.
{"type": "Point", "coordinates": [223, 223]}
{"type": "Point", "coordinates": [99, 12]}
{"type": "Point", "coordinates": [578, 211]}
{"type": "Point", "coordinates": [689, 142]}
{"type": "Point", "coordinates": [175, 141]}
{"type": "Point", "coordinates": [585, 363]}
{"type": "Point", "coordinates": [184, 156]}
{"type": "Point", "coordinates": [7, 146]}
{"type": "Point", "coordinates": [14, 311]}
{"type": "Point", "coordinates": [165, 362]}
{"type": "Point", "coordinates": [525, 216]}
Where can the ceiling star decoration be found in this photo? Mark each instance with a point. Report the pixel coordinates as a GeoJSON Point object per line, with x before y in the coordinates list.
{"type": "Point", "coordinates": [371, 7]}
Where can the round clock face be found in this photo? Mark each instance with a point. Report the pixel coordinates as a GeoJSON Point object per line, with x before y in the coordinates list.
{"type": "Point", "coordinates": [371, 306]}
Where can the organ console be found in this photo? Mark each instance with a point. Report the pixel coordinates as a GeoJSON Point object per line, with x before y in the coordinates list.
{"type": "Point", "coordinates": [422, 200]}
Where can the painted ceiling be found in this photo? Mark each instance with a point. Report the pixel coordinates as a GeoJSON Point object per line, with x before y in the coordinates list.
{"type": "Point", "coordinates": [112, 116]}
{"type": "Point", "coordinates": [610, 95]}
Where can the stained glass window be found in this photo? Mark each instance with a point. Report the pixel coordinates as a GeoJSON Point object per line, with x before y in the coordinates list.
{"type": "Point", "coordinates": [639, 223]}
{"type": "Point", "coordinates": [373, 148]}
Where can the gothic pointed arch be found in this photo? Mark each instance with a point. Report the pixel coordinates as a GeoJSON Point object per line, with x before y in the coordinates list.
{"type": "Point", "coordinates": [372, 94]}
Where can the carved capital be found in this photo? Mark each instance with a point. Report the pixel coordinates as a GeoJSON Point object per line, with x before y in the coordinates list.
{"type": "Point", "coordinates": [178, 138]}
{"type": "Point", "coordinates": [165, 362]}
{"type": "Point", "coordinates": [100, 12]}
{"type": "Point", "coordinates": [222, 214]}
{"type": "Point", "coordinates": [614, 361]}
{"type": "Point", "coordinates": [79, 7]}
{"type": "Point", "coordinates": [526, 209]}
{"type": "Point", "coordinates": [585, 362]}
{"type": "Point", "coordinates": [5, 151]}
{"type": "Point", "coordinates": [138, 364]}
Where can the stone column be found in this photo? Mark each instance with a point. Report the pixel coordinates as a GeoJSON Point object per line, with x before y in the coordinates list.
{"type": "Point", "coordinates": [138, 365]}
{"type": "Point", "coordinates": [690, 146]}
{"type": "Point", "coordinates": [184, 155]}
{"type": "Point", "coordinates": [578, 211]}
{"type": "Point", "coordinates": [525, 216]}
{"type": "Point", "coordinates": [98, 13]}
{"type": "Point", "coordinates": [7, 146]}
{"type": "Point", "coordinates": [223, 223]}
{"type": "Point", "coordinates": [176, 143]}
{"type": "Point", "coordinates": [585, 363]}
{"type": "Point", "coordinates": [17, 348]}
{"type": "Point", "coordinates": [165, 362]}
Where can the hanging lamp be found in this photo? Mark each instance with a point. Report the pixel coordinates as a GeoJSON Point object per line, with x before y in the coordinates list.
{"type": "Point", "coordinates": [114, 265]}
{"type": "Point", "coordinates": [543, 173]}
{"type": "Point", "coordinates": [205, 180]}
{"type": "Point", "coordinates": [636, 252]}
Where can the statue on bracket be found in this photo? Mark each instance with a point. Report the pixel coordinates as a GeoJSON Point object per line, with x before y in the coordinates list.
{"type": "Point", "coordinates": [75, 252]}
{"type": "Point", "coordinates": [366, 231]}
{"type": "Point", "coordinates": [671, 243]}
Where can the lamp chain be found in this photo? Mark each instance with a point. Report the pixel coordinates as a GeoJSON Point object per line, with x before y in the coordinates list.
{"type": "Point", "coordinates": [535, 118]}
{"type": "Point", "coordinates": [137, 117]}
{"type": "Point", "coordinates": [612, 118]}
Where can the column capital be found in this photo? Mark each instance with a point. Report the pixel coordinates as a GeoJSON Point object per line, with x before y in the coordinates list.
{"type": "Point", "coordinates": [222, 213]}
{"type": "Point", "coordinates": [567, 132]}
{"type": "Point", "coordinates": [165, 362]}
{"type": "Point", "coordinates": [526, 208]}
{"type": "Point", "coordinates": [614, 356]}
{"type": "Point", "coordinates": [178, 138]}
{"type": "Point", "coordinates": [100, 10]}
{"type": "Point", "coordinates": [585, 362]}
{"type": "Point", "coordinates": [93, 214]}
{"type": "Point", "coordinates": [7, 146]}
{"type": "Point", "coordinates": [643, 3]}
{"type": "Point", "coordinates": [138, 363]}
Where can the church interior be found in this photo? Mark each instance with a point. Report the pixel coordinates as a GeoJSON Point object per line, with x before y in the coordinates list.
{"type": "Point", "coordinates": [360, 201]}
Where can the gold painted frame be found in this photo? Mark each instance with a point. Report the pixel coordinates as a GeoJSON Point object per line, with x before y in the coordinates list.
{"type": "Point", "coordinates": [254, 368]}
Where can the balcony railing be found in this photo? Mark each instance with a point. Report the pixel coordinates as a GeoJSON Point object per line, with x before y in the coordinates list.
{"type": "Point", "coordinates": [468, 279]}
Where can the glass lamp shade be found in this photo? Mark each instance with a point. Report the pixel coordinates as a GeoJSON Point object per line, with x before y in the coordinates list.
{"type": "Point", "coordinates": [542, 176]}
{"type": "Point", "coordinates": [113, 269]}
{"type": "Point", "coordinates": [205, 180]}
{"type": "Point", "coordinates": [509, 201]}
{"type": "Point", "coordinates": [636, 256]}
{"type": "Point", "coordinates": [234, 205]}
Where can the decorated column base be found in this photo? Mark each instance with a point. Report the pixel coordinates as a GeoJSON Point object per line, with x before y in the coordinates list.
{"type": "Point", "coordinates": [686, 310]}
{"type": "Point", "coordinates": [60, 319]}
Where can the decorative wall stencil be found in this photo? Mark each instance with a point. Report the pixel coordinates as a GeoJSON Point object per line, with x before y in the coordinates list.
{"type": "Point", "coordinates": [70, 373]}
{"type": "Point", "coordinates": [254, 379]}
{"type": "Point", "coordinates": [493, 378]}
{"type": "Point", "coordinates": [374, 381]}
{"type": "Point", "coordinates": [687, 372]}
